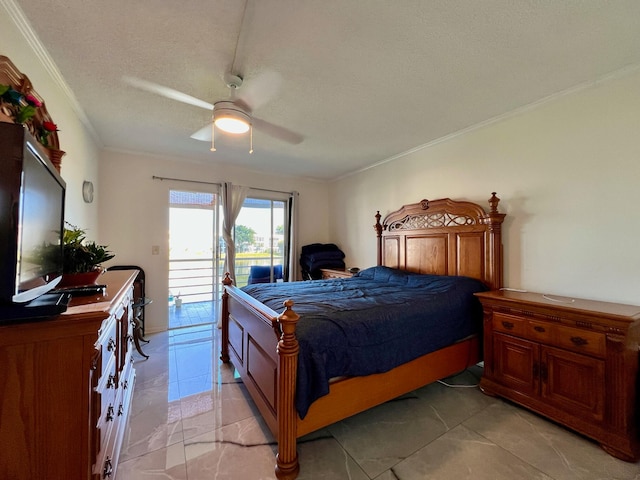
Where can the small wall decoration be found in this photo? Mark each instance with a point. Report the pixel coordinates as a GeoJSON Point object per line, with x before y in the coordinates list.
{"type": "Point", "coordinates": [87, 191]}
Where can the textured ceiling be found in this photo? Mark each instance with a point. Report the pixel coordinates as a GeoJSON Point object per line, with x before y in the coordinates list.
{"type": "Point", "coordinates": [362, 80]}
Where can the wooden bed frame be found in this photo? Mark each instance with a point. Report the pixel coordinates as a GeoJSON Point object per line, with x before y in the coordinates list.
{"type": "Point", "coordinates": [442, 237]}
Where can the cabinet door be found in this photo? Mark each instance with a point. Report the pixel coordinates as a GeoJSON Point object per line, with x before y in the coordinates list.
{"type": "Point", "coordinates": [516, 363]}
{"type": "Point", "coordinates": [573, 382]}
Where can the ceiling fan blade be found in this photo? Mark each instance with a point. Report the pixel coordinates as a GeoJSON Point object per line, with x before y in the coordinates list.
{"type": "Point", "coordinates": [204, 134]}
{"type": "Point", "coordinates": [166, 92]}
{"type": "Point", "coordinates": [259, 90]}
{"type": "Point", "coordinates": [275, 131]}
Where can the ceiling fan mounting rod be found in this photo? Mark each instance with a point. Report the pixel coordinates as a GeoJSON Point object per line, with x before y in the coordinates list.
{"type": "Point", "coordinates": [233, 81]}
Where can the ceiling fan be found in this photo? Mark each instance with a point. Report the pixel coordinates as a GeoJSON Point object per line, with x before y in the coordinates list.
{"type": "Point", "coordinates": [233, 115]}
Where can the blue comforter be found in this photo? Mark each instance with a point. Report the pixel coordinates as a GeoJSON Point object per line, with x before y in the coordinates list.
{"type": "Point", "coordinates": [372, 322]}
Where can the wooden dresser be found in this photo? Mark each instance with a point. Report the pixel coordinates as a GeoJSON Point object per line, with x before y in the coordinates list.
{"type": "Point", "coordinates": [572, 360]}
{"type": "Point", "coordinates": [66, 385]}
{"type": "Point", "coordinates": [328, 273]}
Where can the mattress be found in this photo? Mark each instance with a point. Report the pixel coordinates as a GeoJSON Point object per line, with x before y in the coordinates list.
{"type": "Point", "coordinates": [372, 322]}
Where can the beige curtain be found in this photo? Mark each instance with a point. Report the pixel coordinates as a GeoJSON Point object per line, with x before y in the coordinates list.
{"type": "Point", "coordinates": [232, 199]}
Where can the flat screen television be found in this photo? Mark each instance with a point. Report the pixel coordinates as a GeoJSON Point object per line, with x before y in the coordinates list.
{"type": "Point", "coordinates": [32, 198]}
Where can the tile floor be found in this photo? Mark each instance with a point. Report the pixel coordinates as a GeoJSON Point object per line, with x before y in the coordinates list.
{"type": "Point", "coordinates": [192, 419]}
{"type": "Point", "coordinates": [190, 314]}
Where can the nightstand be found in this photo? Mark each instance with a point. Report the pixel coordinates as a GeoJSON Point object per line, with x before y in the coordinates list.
{"type": "Point", "coordinates": [574, 361]}
{"type": "Point", "coordinates": [328, 273]}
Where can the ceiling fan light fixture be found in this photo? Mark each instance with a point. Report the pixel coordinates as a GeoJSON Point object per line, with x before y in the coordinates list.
{"type": "Point", "coordinates": [232, 125]}
{"type": "Point", "coordinates": [229, 118]}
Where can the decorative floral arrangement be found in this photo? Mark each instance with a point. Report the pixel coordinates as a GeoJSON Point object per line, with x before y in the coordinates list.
{"type": "Point", "coordinates": [46, 129]}
{"type": "Point", "coordinates": [24, 108]}
{"type": "Point", "coordinates": [26, 105]}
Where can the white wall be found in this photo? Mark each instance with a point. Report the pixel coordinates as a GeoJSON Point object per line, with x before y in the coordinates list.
{"type": "Point", "coordinates": [81, 161]}
{"type": "Point", "coordinates": [567, 172]}
{"type": "Point", "coordinates": [134, 212]}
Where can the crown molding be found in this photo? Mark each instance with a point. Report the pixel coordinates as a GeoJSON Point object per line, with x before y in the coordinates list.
{"type": "Point", "coordinates": [19, 19]}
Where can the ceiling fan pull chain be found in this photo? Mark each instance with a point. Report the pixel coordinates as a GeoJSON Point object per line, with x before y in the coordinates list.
{"type": "Point", "coordinates": [250, 139]}
{"type": "Point", "coordinates": [213, 134]}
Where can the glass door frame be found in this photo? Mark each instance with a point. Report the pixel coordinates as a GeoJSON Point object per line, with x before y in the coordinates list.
{"type": "Point", "coordinates": [260, 196]}
{"type": "Point", "coordinates": [183, 280]}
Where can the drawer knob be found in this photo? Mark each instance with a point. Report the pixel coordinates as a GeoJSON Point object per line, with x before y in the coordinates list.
{"type": "Point", "coordinates": [111, 381]}
{"type": "Point", "coordinates": [538, 328]}
{"type": "Point", "coordinates": [107, 471]}
{"type": "Point", "coordinates": [579, 341]}
{"type": "Point", "coordinates": [543, 371]}
{"type": "Point", "coordinates": [111, 346]}
{"type": "Point", "coordinates": [110, 412]}
{"type": "Point", "coordinates": [507, 325]}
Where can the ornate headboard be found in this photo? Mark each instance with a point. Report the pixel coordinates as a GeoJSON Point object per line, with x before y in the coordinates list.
{"type": "Point", "coordinates": [444, 237]}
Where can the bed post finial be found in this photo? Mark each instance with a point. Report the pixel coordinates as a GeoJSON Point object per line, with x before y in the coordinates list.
{"type": "Point", "coordinates": [493, 202]}
{"type": "Point", "coordinates": [494, 220]}
{"type": "Point", "coordinates": [287, 466]}
{"type": "Point", "coordinates": [378, 228]}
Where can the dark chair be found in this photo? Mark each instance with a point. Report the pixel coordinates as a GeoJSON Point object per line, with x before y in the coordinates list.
{"type": "Point", "coordinates": [317, 256]}
{"type": "Point", "coordinates": [139, 302]}
{"type": "Point", "coordinates": [262, 274]}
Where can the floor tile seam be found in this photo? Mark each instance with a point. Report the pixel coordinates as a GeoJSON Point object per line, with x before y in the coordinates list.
{"type": "Point", "coordinates": [178, 328]}
{"type": "Point", "coordinates": [510, 453]}
{"type": "Point", "coordinates": [346, 452]}
{"type": "Point", "coordinates": [151, 350]}
{"type": "Point", "coordinates": [150, 387]}
{"type": "Point", "coordinates": [358, 463]}
{"type": "Point", "coordinates": [173, 343]}
{"type": "Point", "coordinates": [217, 432]}
{"type": "Point", "coordinates": [447, 429]}
{"type": "Point", "coordinates": [183, 400]}
{"type": "Point", "coordinates": [149, 452]}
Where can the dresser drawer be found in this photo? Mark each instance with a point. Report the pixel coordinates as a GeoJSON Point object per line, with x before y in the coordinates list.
{"type": "Point", "coordinates": [569, 338]}
{"type": "Point", "coordinates": [543, 332]}
{"type": "Point", "coordinates": [107, 343]}
{"type": "Point", "coordinates": [104, 467]}
{"type": "Point", "coordinates": [108, 382]}
{"type": "Point", "coordinates": [511, 324]}
{"type": "Point", "coordinates": [581, 341]}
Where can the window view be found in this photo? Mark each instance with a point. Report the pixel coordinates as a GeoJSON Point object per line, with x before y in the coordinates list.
{"type": "Point", "coordinates": [193, 264]}
{"type": "Point", "coordinates": [260, 241]}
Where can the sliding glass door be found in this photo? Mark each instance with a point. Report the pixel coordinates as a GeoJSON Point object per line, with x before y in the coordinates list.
{"type": "Point", "coordinates": [194, 257]}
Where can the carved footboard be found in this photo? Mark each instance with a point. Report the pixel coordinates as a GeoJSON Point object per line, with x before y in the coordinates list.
{"type": "Point", "coordinates": [249, 330]}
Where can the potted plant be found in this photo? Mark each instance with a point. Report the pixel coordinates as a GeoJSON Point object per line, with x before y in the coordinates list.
{"type": "Point", "coordinates": [82, 259]}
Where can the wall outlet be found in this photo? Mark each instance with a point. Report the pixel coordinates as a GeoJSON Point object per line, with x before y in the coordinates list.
{"type": "Point", "coordinates": [155, 250]}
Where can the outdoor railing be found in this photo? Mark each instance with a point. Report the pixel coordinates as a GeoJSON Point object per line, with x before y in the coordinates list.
{"type": "Point", "coordinates": [193, 279]}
